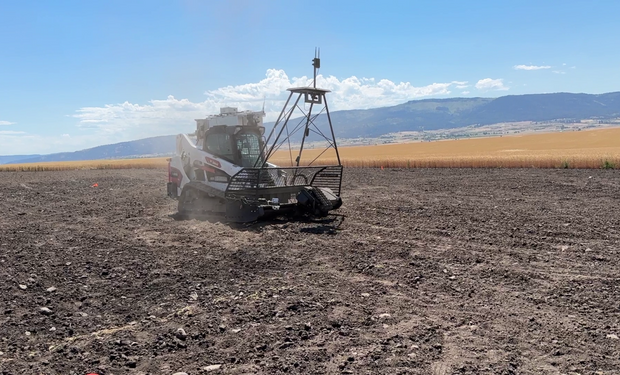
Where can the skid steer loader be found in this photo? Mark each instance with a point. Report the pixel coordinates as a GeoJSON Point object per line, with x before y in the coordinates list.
{"type": "Point", "coordinates": [226, 172]}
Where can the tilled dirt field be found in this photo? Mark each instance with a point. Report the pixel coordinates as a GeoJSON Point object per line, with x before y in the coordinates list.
{"type": "Point", "coordinates": [431, 272]}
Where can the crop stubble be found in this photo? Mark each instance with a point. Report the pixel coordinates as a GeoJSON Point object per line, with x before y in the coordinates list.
{"type": "Point", "coordinates": [434, 271]}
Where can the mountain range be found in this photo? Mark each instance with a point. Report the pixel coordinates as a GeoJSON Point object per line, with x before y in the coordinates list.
{"type": "Point", "coordinates": [153, 146]}
{"type": "Point", "coordinates": [427, 114]}
{"type": "Point", "coordinates": [435, 114]}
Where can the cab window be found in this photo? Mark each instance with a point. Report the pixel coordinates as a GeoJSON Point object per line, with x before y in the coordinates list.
{"type": "Point", "coordinates": [219, 144]}
{"type": "Point", "coordinates": [248, 145]}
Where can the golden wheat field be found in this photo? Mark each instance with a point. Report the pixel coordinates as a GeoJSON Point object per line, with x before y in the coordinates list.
{"type": "Point", "coordinates": [576, 149]}
{"type": "Point", "coordinates": [150, 163]}
{"type": "Point", "coordinates": [598, 148]}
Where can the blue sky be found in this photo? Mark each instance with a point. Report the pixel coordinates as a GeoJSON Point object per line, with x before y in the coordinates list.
{"type": "Point", "coordinates": [76, 74]}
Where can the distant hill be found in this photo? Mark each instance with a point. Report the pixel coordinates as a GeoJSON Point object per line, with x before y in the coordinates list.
{"type": "Point", "coordinates": [164, 145]}
{"type": "Point", "coordinates": [427, 114]}
{"type": "Point", "coordinates": [434, 114]}
{"type": "Point", "coordinates": [12, 158]}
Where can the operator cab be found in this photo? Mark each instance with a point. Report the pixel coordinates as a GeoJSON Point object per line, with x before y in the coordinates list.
{"type": "Point", "coordinates": [235, 136]}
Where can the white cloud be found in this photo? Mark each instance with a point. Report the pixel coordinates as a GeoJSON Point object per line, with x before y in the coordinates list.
{"type": "Point", "coordinates": [172, 115]}
{"type": "Point", "coordinates": [489, 84]}
{"type": "Point", "coordinates": [559, 72]}
{"type": "Point", "coordinates": [531, 67]}
{"type": "Point", "coordinates": [461, 84]}
{"type": "Point", "coordinates": [6, 123]}
{"type": "Point", "coordinates": [349, 93]}
{"type": "Point", "coordinates": [465, 92]}
{"type": "Point", "coordinates": [10, 132]}
{"type": "Point", "coordinates": [141, 120]}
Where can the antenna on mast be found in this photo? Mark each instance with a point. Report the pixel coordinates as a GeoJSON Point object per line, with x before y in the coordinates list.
{"type": "Point", "coordinates": [316, 62]}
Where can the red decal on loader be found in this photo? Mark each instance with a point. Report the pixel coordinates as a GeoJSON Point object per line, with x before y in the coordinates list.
{"type": "Point", "coordinates": [213, 162]}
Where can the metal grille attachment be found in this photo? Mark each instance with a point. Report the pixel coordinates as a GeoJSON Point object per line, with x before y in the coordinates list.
{"type": "Point", "coordinates": [254, 182]}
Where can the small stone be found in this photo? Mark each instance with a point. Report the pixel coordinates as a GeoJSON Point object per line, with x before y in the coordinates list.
{"type": "Point", "coordinates": [193, 296]}
{"type": "Point", "coordinates": [385, 316]}
{"type": "Point", "coordinates": [51, 289]}
{"type": "Point", "coordinates": [307, 326]}
{"type": "Point", "coordinates": [45, 311]}
{"type": "Point", "coordinates": [1, 353]}
{"type": "Point", "coordinates": [180, 373]}
{"type": "Point", "coordinates": [83, 314]}
{"type": "Point", "coordinates": [212, 368]}
{"type": "Point", "coordinates": [180, 343]}
{"type": "Point", "coordinates": [23, 287]}
{"type": "Point", "coordinates": [365, 294]}
{"type": "Point", "coordinates": [222, 328]}
{"type": "Point", "coordinates": [181, 334]}
{"type": "Point", "coordinates": [68, 264]}
{"type": "Point", "coordinates": [286, 345]}
{"type": "Point", "coordinates": [53, 329]}
{"type": "Point", "coordinates": [288, 328]}
{"type": "Point", "coordinates": [236, 330]}
{"type": "Point", "coordinates": [28, 333]}
{"type": "Point", "coordinates": [612, 336]}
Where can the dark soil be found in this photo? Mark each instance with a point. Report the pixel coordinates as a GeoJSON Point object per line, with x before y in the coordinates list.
{"type": "Point", "coordinates": [431, 272]}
